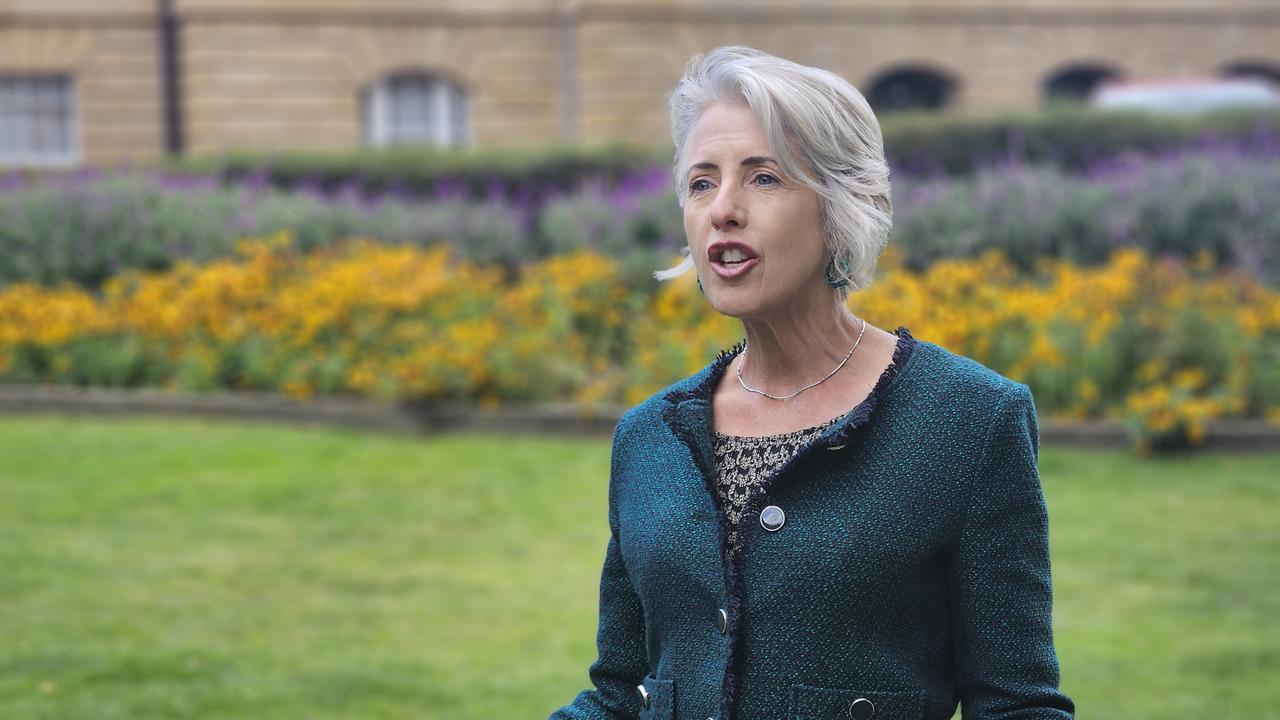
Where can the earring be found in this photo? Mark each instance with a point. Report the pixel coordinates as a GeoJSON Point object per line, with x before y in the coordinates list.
{"type": "Point", "coordinates": [704, 292]}
{"type": "Point", "coordinates": [833, 282]}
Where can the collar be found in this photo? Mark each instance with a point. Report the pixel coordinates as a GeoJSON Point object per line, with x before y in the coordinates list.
{"type": "Point", "coordinates": [687, 408]}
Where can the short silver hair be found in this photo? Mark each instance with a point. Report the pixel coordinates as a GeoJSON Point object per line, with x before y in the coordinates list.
{"type": "Point", "coordinates": [812, 119]}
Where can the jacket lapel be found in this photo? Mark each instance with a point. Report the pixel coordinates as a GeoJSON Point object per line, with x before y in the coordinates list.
{"type": "Point", "coordinates": [687, 411]}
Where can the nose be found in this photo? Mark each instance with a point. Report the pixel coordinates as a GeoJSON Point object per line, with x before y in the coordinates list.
{"type": "Point", "coordinates": [727, 207]}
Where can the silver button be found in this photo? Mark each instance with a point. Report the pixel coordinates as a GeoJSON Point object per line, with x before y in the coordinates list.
{"type": "Point", "coordinates": [644, 695]}
{"type": "Point", "coordinates": [772, 518]}
{"type": "Point", "coordinates": [861, 709]}
{"type": "Point", "coordinates": [724, 621]}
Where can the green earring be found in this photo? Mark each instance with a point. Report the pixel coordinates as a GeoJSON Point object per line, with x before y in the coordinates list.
{"type": "Point", "coordinates": [833, 282]}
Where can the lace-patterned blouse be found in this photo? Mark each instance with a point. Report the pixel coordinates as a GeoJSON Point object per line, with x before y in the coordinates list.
{"type": "Point", "coordinates": [743, 462]}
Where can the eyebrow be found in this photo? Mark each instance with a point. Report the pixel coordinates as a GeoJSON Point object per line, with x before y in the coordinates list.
{"type": "Point", "coordinates": [747, 162]}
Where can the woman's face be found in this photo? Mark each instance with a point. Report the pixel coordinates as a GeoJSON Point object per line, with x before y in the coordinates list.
{"type": "Point", "coordinates": [739, 205]}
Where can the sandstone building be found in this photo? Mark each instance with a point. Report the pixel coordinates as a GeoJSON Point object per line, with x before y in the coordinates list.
{"type": "Point", "coordinates": [101, 81]}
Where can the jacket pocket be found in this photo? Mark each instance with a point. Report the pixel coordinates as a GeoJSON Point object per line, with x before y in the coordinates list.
{"type": "Point", "coordinates": [820, 703]}
{"type": "Point", "coordinates": [661, 703]}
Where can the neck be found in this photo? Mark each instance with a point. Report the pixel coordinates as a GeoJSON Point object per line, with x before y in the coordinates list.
{"type": "Point", "coordinates": [787, 353]}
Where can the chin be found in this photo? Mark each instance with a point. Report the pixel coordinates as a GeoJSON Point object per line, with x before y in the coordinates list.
{"type": "Point", "coordinates": [735, 302]}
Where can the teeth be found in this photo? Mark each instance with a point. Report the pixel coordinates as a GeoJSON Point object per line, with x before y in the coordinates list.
{"type": "Point", "coordinates": [733, 255]}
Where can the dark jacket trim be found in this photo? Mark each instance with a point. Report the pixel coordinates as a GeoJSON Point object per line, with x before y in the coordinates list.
{"type": "Point", "coordinates": [857, 417]}
{"type": "Point", "coordinates": [703, 458]}
{"type": "Point", "coordinates": [703, 391]}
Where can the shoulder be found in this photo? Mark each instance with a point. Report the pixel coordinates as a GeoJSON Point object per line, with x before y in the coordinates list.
{"type": "Point", "coordinates": [644, 440]}
{"type": "Point", "coordinates": [646, 416]}
{"type": "Point", "coordinates": [961, 377]}
{"type": "Point", "coordinates": [961, 396]}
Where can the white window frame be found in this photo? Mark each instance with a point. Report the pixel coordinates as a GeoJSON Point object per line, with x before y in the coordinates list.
{"type": "Point", "coordinates": [14, 125]}
{"type": "Point", "coordinates": [447, 121]}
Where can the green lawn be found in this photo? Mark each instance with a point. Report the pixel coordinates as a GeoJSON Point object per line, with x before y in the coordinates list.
{"type": "Point", "coordinates": [178, 569]}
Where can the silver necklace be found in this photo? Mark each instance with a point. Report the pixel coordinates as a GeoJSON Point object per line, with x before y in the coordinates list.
{"type": "Point", "coordinates": [806, 387]}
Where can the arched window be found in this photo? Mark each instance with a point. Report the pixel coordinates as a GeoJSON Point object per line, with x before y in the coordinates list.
{"type": "Point", "coordinates": [910, 88]}
{"type": "Point", "coordinates": [1261, 70]}
{"type": "Point", "coordinates": [1076, 82]}
{"type": "Point", "coordinates": [414, 108]}
{"type": "Point", "coordinates": [37, 120]}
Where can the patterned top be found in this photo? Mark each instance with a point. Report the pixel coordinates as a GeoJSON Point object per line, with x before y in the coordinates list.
{"type": "Point", "coordinates": [743, 462]}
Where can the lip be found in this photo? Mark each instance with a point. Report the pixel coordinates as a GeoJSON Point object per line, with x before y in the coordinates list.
{"type": "Point", "coordinates": [731, 271]}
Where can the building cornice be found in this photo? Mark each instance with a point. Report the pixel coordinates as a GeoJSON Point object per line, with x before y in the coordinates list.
{"type": "Point", "coordinates": [587, 12]}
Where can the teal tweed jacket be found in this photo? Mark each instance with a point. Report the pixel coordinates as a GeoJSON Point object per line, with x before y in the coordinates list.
{"type": "Point", "coordinates": [910, 572]}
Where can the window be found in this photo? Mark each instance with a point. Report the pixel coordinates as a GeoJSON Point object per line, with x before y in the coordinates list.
{"type": "Point", "coordinates": [37, 122]}
{"type": "Point", "coordinates": [910, 88]}
{"type": "Point", "coordinates": [1260, 69]}
{"type": "Point", "coordinates": [1076, 83]}
{"type": "Point", "coordinates": [414, 108]}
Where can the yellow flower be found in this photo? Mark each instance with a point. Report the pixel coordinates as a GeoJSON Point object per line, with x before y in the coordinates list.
{"type": "Point", "coordinates": [401, 320]}
{"type": "Point", "coordinates": [1195, 432]}
{"type": "Point", "coordinates": [299, 389]}
{"type": "Point", "coordinates": [1189, 378]}
{"type": "Point", "coordinates": [1088, 390]}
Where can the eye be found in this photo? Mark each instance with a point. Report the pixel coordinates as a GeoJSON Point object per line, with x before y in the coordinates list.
{"type": "Point", "coordinates": [767, 175]}
{"type": "Point", "coordinates": [693, 186]}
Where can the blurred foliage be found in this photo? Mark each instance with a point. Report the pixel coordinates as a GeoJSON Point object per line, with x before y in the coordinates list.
{"type": "Point", "coordinates": [1071, 137]}
{"type": "Point", "coordinates": [1215, 199]}
{"type": "Point", "coordinates": [509, 172]}
{"type": "Point", "coordinates": [1160, 343]}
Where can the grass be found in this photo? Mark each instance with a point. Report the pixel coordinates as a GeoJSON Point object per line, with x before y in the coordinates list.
{"type": "Point", "coordinates": [181, 569]}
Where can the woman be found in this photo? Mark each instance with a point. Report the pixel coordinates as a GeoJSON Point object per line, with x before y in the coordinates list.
{"type": "Point", "coordinates": [828, 520]}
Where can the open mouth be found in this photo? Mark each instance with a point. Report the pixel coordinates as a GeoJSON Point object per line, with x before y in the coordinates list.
{"type": "Point", "coordinates": [730, 260]}
{"type": "Point", "coordinates": [733, 257]}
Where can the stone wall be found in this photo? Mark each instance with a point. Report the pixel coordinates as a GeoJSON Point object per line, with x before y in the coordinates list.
{"type": "Point", "coordinates": [110, 51]}
{"type": "Point", "coordinates": [284, 74]}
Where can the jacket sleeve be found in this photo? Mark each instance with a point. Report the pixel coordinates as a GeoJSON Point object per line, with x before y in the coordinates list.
{"type": "Point", "coordinates": [1001, 593]}
{"type": "Point", "coordinates": [621, 663]}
